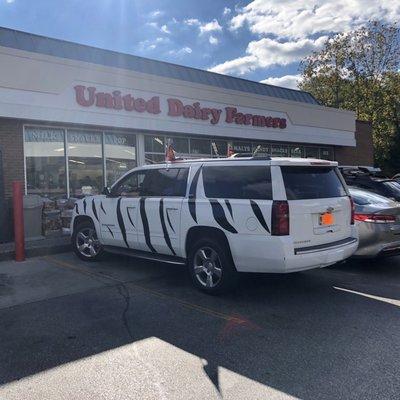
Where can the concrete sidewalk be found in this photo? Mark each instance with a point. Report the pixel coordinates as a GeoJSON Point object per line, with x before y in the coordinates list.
{"type": "Point", "coordinates": [37, 247]}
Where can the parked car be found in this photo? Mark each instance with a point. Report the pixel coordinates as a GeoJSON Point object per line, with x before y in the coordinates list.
{"type": "Point", "coordinates": [368, 179]}
{"type": "Point", "coordinates": [222, 216]}
{"type": "Point", "coordinates": [396, 178]}
{"type": "Point", "coordinates": [378, 223]}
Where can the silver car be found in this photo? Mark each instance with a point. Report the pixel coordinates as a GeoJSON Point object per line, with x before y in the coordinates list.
{"type": "Point", "coordinates": [378, 221]}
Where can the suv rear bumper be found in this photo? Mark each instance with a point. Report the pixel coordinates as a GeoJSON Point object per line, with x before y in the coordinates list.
{"type": "Point", "coordinates": [322, 257]}
{"type": "Point", "coordinates": [276, 254]}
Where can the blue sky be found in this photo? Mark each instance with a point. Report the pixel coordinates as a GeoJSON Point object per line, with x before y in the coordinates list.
{"type": "Point", "coordinates": [261, 40]}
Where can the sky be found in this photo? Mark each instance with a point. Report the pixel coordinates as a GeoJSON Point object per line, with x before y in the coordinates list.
{"type": "Point", "coordinates": [261, 40]}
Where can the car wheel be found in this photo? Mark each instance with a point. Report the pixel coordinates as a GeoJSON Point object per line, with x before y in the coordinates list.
{"type": "Point", "coordinates": [211, 267]}
{"type": "Point", "coordinates": [85, 242]}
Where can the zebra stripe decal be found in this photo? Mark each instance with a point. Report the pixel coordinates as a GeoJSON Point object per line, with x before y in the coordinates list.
{"type": "Point", "coordinates": [84, 206]}
{"type": "Point", "coordinates": [102, 208]}
{"type": "Point", "coordinates": [121, 222]}
{"type": "Point", "coordinates": [145, 223]}
{"type": "Point", "coordinates": [169, 222]}
{"type": "Point", "coordinates": [110, 231]}
{"type": "Point", "coordinates": [129, 216]}
{"type": "Point", "coordinates": [228, 205]}
{"type": "Point", "coordinates": [192, 195]}
{"type": "Point", "coordinates": [220, 217]}
{"type": "Point", "coordinates": [94, 210]}
{"type": "Point", "coordinates": [76, 208]}
{"type": "Point", "coordinates": [258, 213]}
{"type": "Point", "coordinates": [164, 228]}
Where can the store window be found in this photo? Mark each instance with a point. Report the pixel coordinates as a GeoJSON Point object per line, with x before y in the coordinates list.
{"type": "Point", "coordinates": [45, 162]}
{"type": "Point", "coordinates": [312, 152]}
{"type": "Point", "coordinates": [181, 145]}
{"type": "Point", "coordinates": [219, 148]}
{"type": "Point", "coordinates": [85, 162]}
{"type": "Point", "coordinates": [120, 154]}
{"type": "Point", "coordinates": [326, 153]}
{"type": "Point", "coordinates": [200, 147]}
{"type": "Point", "coordinates": [154, 144]}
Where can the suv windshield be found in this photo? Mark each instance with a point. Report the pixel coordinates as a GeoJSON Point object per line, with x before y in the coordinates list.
{"type": "Point", "coordinates": [312, 182]}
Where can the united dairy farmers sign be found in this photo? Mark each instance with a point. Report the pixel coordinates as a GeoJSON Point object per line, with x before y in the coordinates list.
{"type": "Point", "coordinates": [116, 100]}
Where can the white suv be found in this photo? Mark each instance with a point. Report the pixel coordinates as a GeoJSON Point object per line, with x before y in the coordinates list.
{"type": "Point", "coordinates": [223, 216]}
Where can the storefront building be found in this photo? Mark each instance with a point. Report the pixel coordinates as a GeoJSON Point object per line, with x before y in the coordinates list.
{"type": "Point", "coordinates": [74, 118]}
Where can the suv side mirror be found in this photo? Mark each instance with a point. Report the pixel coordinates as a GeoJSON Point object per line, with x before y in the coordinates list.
{"type": "Point", "coordinates": [106, 191]}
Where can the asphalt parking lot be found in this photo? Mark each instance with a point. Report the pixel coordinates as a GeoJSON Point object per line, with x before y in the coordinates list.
{"type": "Point", "coordinates": [129, 329]}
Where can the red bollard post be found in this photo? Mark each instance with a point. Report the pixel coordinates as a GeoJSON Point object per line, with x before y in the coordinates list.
{"type": "Point", "coordinates": [19, 237]}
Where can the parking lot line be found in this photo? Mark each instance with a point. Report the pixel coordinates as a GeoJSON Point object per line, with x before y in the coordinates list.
{"type": "Point", "coordinates": [186, 304]}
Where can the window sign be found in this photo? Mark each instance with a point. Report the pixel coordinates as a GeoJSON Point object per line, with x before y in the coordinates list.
{"type": "Point", "coordinates": [242, 147]}
{"type": "Point", "coordinates": [45, 162]}
{"type": "Point", "coordinates": [265, 149]}
{"type": "Point", "coordinates": [295, 151]}
{"type": "Point", "coordinates": [279, 151]}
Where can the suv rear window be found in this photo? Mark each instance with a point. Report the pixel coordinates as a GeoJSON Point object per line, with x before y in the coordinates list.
{"type": "Point", "coordinates": [312, 183]}
{"type": "Point", "coordinates": [238, 182]}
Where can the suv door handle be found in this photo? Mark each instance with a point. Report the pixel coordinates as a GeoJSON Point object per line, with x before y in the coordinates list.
{"type": "Point", "coordinates": [171, 209]}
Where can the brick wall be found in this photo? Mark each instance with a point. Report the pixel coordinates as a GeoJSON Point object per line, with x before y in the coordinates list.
{"type": "Point", "coordinates": [363, 153]}
{"type": "Point", "coordinates": [11, 146]}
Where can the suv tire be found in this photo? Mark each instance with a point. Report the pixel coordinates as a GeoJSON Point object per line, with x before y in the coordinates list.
{"type": "Point", "coordinates": [85, 242]}
{"type": "Point", "coordinates": [211, 267]}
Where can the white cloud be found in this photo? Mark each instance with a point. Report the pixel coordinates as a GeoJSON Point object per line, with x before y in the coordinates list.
{"type": "Point", "coordinates": [266, 52]}
{"type": "Point", "coordinates": [152, 24]}
{"type": "Point", "coordinates": [212, 26]}
{"type": "Point", "coordinates": [226, 11]}
{"type": "Point", "coordinates": [153, 44]}
{"type": "Point", "coordinates": [156, 13]}
{"type": "Point", "coordinates": [205, 27]}
{"type": "Point", "coordinates": [288, 81]}
{"type": "Point", "coordinates": [302, 18]}
{"type": "Point", "coordinates": [165, 29]}
{"type": "Point", "coordinates": [192, 22]}
{"type": "Point", "coordinates": [213, 40]}
{"type": "Point", "coordinates": [181, 52]}
{"type": "Point", "coordinates": [9, 1]}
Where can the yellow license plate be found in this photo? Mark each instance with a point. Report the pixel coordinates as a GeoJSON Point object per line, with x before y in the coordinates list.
{"type": "Point", "coordinates": [326, 219]}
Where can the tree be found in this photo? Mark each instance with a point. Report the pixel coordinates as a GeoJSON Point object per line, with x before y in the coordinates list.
{"type": "Point", "coordinates": [360, 71]}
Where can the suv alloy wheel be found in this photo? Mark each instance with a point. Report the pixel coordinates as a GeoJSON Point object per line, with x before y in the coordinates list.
{"type": "Point", "coordinates": [211, 267]}
{"type": "Point", "coordinates": [85, 242]}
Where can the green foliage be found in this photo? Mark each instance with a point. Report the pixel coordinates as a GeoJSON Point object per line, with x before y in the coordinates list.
{"type": "Point", "coordinates": [360, 71]}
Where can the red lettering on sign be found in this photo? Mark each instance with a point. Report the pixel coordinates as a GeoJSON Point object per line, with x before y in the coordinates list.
{"type": "Point", "coordinates": [80, 95]}
{"type": "Point", "coordinates": [230, 114]}
{"type": "Point", "coordinates": [175, 107]}
{"type": "Point", "coordinates": [87, 97]}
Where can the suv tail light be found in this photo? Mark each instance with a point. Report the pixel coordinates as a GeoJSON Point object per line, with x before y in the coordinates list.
{"type": "Point", "coordinates": [352, 210]}
{"type": "Point", "coordinates": [377, 218]}
{"type": "Point", "coordinates": [280, 218]}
